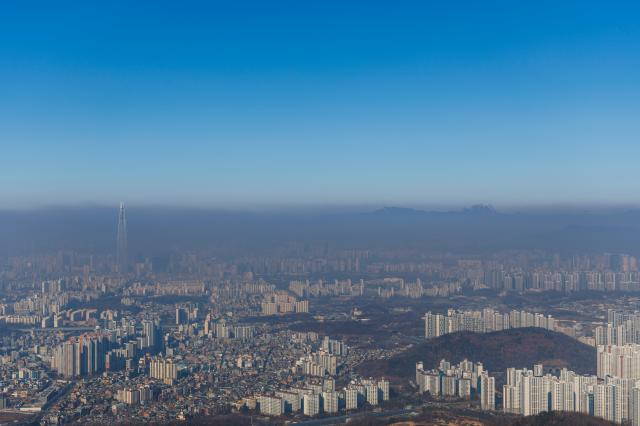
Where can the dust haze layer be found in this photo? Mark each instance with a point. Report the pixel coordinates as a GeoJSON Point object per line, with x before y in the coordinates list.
{"type": "Point", "coordinates": [475, 230]}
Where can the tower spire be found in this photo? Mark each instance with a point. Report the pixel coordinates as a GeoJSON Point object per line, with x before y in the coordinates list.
{"type": "Point", "coordinates": [121, 242]}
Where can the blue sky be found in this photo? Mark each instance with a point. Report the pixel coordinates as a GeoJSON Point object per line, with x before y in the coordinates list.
{"type": "Point", "coordinates": [261, 104]}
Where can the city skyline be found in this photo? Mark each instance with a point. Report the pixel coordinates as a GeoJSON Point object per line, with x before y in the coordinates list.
{"type": "Point", "coordinates": [242, 106]}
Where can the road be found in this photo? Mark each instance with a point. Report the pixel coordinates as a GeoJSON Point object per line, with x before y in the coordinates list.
{"type": "Point", "coordinates": [345, 418]}
{"type": "Point", "coordinates": [59, 395]}
{"type": "Point", "coordinates": [49, 329]}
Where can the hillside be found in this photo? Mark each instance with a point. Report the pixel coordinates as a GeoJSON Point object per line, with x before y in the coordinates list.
{"type": "Point", "coordinates": [560, 419]}
{"type": "Point", "coordinates": [499, 350]}
{"type": "Point", "coordinates": [466, 417]}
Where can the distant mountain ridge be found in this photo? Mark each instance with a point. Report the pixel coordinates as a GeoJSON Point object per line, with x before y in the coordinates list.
{"type": "Point", "coordinates": [477, 209]}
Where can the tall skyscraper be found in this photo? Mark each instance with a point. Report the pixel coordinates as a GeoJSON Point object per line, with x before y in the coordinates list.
{"type": "Point", "coordinates": [152, 339]}
{"type": "Point", "coordinates": [121, 244]}
{"type": "Point", "coordinates": [487, 391]}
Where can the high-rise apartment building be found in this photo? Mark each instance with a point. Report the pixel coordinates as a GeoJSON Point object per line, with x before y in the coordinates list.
{"type": "Point", "coordinates": [487, 392]}
{"type": "Point", "coordinates": [330, 402]}
{"type": "Point", "coordinates": [311, 404]}
{"type": "Point", "coordinates": [383, 389]}
{"type": "Point", "coordinates": [351, 398]}
{"type": "Point", "coordinates": [151, 339]}
{"type": "Point", "coordinates": [270, 405]}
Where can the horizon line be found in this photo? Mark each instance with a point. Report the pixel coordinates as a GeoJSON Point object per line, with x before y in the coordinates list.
{"type": "Point", "coordinates": [601, 207]}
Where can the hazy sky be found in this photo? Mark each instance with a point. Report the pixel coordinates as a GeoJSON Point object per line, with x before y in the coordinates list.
{"type": "Point", "coordinates": [239, 104]}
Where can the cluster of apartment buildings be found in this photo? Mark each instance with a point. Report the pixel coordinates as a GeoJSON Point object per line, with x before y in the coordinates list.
{"type": "Point", "coordinates": [530, 392]}
{"type": "Point", "coordinates": [322, 288]}
{"type": "Point", "coordinates": [316, 397]}
{"type": "Point", "coordinates": [318, 364]}
{"type": "Point", "coordinates": [134, 396]}
{"type": "Point", "coordinates": [621, 328]}
{"type": "Point", "coordinates": [334, 346]}
{"type": "Point", "coordinates": [222, 330]}
{"type": "Point", "coordinates": [56, 320]}
{"type": "Point", "coordinates": [465, 380]}
{"type": "Point", "coordinates": [283, 303]}
{"type": "Point", "coordinates": [166, 369]}
{"type": "Point", "coordinates": [621, 361]}
{"type": "Point", "coordinates": [613, 394]}
{"type": "Point", "coordinates": [112, 350]}
{"type": "Point", "coordinates": [623, 276]}
{"type": "Point", "coordinates": [484, 321]}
